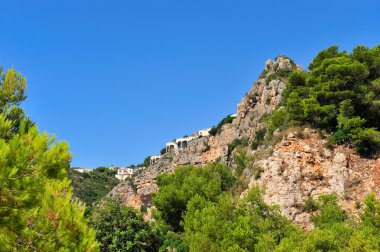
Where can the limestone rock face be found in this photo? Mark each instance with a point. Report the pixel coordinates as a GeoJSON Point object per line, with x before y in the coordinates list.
{"type": "Point", "coordinates": [300, 168]}
{"type": "Point", "coordinates": [264, 97]}
{"type": "Point", "coordinates": [292, 171]}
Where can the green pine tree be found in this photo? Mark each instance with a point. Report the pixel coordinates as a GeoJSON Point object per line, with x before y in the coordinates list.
{"type": "Point", "coordinates": [37, 212]}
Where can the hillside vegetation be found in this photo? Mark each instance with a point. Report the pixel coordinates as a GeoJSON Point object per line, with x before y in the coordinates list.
{"type": "Point", "coordinates": [91, 187]}
{"type": "Point", "coordinates": [340, 94]}
{"type": "Point", "coordinates": [203, 208]}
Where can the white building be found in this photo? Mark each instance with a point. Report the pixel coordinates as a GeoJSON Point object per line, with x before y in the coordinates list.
{"type": "Point", "coordinates": [83, 170]}
{"type": "Point", "coordinates": [154, 159]}
{"type": "Point", "coordinates": [204, 132]}
{"type": "Point", "coordinates": [183, 142]}
{"type": "Point", "coordinates": [123, 173]}
{"type": "Point", "coordinates": [171, 147]}
{"type": "Point", "coordinates": [113, 168]}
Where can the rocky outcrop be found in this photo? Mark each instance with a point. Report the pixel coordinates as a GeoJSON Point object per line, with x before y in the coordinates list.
{"type": "Point", "coordinates": [291, 171]}
{"type": "Point", "coordinates": [301, 167]}
{"type": "Point", "coordinates": [262, 99]}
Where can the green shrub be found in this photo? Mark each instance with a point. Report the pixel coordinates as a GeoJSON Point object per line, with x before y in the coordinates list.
{"type": "Point", "coordinates": [367, 142]}
{"type": "Point", "coordinates": [357, 205]}
{"type": "Point", "coordinates": [243, 224]}
{"type": "Point", "coordinates": [132, 185]}
{"type": "Point", "coordinates": [311, 205]}
{"type": "Point", "coordinates": [263, 74]}
{"type": "Point", "coordinates": [143, 209]}
{"type": "Point", "coordinates": [207, 148]}
{"type": "Point", "coordinates": [259, 138]}
{"type": "Point", "coordinates": [257, 170]}
{"type": "Point", "coordinates": [216, 129]}
{"type": "Point", "coordinates": [331, 52]}
{"type": "Point", "coordinates": [279, 119]}
{"type": "Point", "coordinates": [339, 137]}
{"type": "Point", "coordinates": [146, 162]}
{"type": "Point", "coordinates": [280, 74]}
{"type": "Point", "coordinates": [330, 212]}
{"type": "Point", "coordinates": [213, 131]}
{"type": "Point", "coordinates": [122, 228]}
{"type": "Point", "coordinates": [297, 79]}
{"type": "Point", "coordinates": [241, 160]}
{"type": "Point", "coordinates": [173, 242]}
{"type": "Point", "coordinates": [177, 189]}
{"type": "Point", "coordinates": [237, 142]}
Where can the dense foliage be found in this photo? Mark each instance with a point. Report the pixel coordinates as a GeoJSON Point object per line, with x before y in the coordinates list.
{"type": "Point", "coordinates": [37, 212]}
{"type": "Point", "coordinates": [121, 228]}
{"type": "Point", "coordinates": [177, 189]}
{"type": "Point", "coordinates": [340, 94]}
{"type": "Point", "coordinates": [335, 231]}
{"type": "Point", "coordinates": [91, 187]}
{"type": "Point", "coordinates": [233, 225]}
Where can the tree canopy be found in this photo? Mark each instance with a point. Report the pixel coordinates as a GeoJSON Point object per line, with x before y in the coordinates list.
{"type": "Point", "coordinates": [36, 207]}
{"type": "Point", "coordinates": [340, 94]}
{"type": "Point", "coordinates": [121, 228]}
{"type": "Point", "coordinates": [178, 188]}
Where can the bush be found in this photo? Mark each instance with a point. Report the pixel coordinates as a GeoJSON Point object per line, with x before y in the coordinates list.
{"type": "Point", "coordinates": [257, 170]}
{"type": "Point", "coordinates": [243, 224]}
{"type": "Point", "coordinates": [279, 119]}
{"type": "Point", "coordinates": [207, 148]}
{"type": "Point", "coordinates": [297, 79]}
{"type": "Point", "coordinates": [280, 74]}
{"type": "Point", "coordinates": [263, 74]}
{"type": "Point", "coordinates": [132, 185]}
{"type": "Point", "coordinates": [143, 209]}
{"type": "Point", "coordinates": [215, 130]}
{"type": "Point", "coordinates": [237, 142]}
{"type": "Point", "coordinates": [259, 138]}
{"type": "Point", "coordinates": [241, 160]}
{"type": "Point", "coordinates": [367, 142]}
{"type": "Point", "coordinates": [339, 137]}
{"type": "Point", "coordinates": [173, 242]}
{"type": "Point", "coordinates": [310, 205]}
{"type": "Point", "coordinates": [177, 189]}
{"type": "Point", "coordinates": [146, 162]}
{"type": "Point", "coordinates": [121, 228]}
{"type": "Point", "coordinates": [330, 213]}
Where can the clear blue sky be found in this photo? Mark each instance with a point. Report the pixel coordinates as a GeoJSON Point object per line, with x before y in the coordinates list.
{"type": "Point", "coordinates": [118, 79]}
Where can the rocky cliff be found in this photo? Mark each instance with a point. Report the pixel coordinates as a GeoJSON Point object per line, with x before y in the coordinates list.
{"type": "Point", "coordinates": [290, 171]}
{"type": "Point", "coordinates": [299, 167]}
